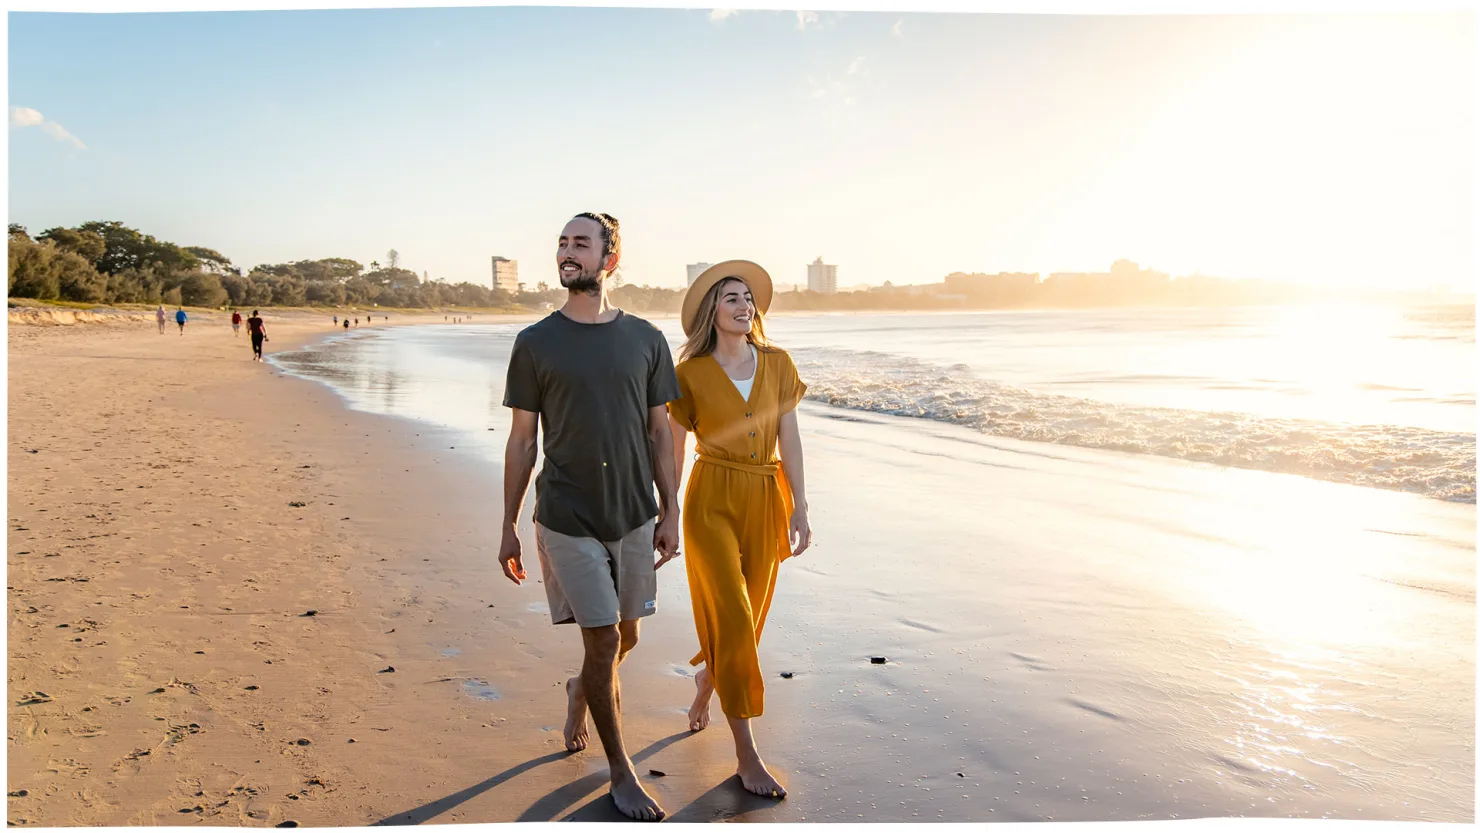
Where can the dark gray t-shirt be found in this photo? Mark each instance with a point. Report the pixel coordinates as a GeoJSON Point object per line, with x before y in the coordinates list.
{"type": "Point", "coordinates": [592, 385]}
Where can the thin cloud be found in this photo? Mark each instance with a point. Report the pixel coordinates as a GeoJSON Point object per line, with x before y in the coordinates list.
{"type": "Point", "coordinates": [716, 15]}
{"type": "Point", "coordinates": [831, 86]}
{"type": "Point", "coordinates": [805, 19]}
{"type": "Point", "coordinates": [898, 28]}
{"type": "Point", "coordinates": [857, 65]}
{"type": "Point", "coordinates": [27, 117]}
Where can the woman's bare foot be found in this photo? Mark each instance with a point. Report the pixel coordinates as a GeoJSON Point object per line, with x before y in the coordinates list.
{"type": "Point", "coordinates": [699, 712]}
{"type": "Point", "coordinates": [757, 779]}
{"type": "Point", "coordinates": [576, 732]}
{"type": "Point", "coordinates": [632, 800]}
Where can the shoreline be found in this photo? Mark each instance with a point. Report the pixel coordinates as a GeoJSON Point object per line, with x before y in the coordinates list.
{"type": "Point", "coordinates": [392, 550]}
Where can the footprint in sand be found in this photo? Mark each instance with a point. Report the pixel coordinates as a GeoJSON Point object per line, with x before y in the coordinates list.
{"type": "Point", "coordinates": [67, 766]}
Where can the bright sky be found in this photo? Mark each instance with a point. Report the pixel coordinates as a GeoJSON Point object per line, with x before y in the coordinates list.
{"type": "Point", "coordinates": [1323, 148]}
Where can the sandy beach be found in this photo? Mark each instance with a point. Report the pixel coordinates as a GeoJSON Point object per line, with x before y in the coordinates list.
{"type": "Point", "coordinates": [164, 666]}
{"type": "Point", "coordinates": [214, 567]}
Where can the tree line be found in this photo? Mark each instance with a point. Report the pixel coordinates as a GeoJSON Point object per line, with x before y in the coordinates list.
{"type": "Point", "coordinates": [107, 262]}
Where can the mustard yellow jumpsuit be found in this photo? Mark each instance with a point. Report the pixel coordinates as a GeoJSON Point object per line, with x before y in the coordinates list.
{"type": "Point", "coordinates": [736, 515]}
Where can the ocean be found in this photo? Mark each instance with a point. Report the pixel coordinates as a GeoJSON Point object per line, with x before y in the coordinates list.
{"type": "Point", "coordinates": [1371, 396]}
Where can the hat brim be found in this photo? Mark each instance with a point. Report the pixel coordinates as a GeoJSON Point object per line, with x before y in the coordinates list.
{"type": "Point", "coordinates": [754, 276]}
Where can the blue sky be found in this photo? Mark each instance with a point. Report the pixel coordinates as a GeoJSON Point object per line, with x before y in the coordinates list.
{"type": "Point", "coordinates": [1328, 149]}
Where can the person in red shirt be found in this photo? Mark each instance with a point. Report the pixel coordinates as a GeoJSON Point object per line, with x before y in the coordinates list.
{"type": "Point", "coordinates": [258, 332]}
{"type": "Point", "coordinates": [236, 322]}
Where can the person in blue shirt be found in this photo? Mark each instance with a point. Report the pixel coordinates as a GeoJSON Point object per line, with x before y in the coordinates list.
{"type": "Point", "coordinates": [180, 319]}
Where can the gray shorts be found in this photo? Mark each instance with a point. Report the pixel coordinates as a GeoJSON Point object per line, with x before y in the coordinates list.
{"type": "Point", "coordinates": [598, 583]}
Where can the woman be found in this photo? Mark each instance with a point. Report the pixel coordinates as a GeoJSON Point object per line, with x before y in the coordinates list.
{"type": "Point", "coordinates": [738, 396]}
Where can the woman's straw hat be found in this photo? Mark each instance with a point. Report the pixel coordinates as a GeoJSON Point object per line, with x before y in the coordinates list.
{"type": "Point", "coordinates": [754, 276]}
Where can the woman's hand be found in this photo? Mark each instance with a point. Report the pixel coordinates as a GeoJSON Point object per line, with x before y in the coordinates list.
{"type": "Point", "coordinates": [801, 531]}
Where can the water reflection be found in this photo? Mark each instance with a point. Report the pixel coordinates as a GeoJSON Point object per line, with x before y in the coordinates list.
{"type": "Point", "coordinates": [456, 384]}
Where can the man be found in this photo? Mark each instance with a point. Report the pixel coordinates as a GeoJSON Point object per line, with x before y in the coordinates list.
{"type": "Point", "coordinates": [180, 319]}
{"type": "Point", "coordinates": [159, 316]}
{"type": "Point", "coordinates": [258, 332]}
{"type": "Point", "coordinates": [236, 323]}
{"type": "Point", "coordinates": [599, 380]}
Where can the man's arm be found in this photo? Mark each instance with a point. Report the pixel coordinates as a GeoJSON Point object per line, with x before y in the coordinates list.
{"type": "Point", "coordinates": [520, 454]}
{"type": "Point", "coordinates": [660, 447]}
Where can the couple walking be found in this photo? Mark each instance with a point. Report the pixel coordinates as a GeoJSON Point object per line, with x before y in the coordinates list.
{"type": "Point", "coordinates": [616, 415]}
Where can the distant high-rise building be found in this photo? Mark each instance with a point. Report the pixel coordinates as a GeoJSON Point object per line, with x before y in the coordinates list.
{"type": "Point", "coordinates": [695, 270]}
{"type": "Point", "coordinates": [822, 277]}
{"type": "Point", "coordinates": [505, 274]}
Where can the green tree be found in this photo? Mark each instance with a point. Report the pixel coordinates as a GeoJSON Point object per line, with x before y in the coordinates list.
{"type": "Point", "coordinates": [41, 269]}
{"type": "Point", "coordinates": [329, 269]}
{"type": "Point", "coordinates": [78, 280]}
{"type": "Point", "coordinates": [126, 248]}
{"type": "Point", "coordinates": [286, 290]}
{"type": "Point", "coordinates": [31, 271]}
{"type": "Point", "coordinates": [361, 290]}
{"type": "Point", "coordinates": [237, 287]}
{"type": "Point", "coordinates": [202, 289]}
{"type": "Point", "coordinates": [89, 244]}
{"type": "Point", "coordinates": [18, 230]}
{"type": "Point", "coordinates": [325, 292]}
{"type": "Point", "coordinates": [135, 286]}
{"type": "Point", "coordinates": [259, 294]}
{"type": "Point", "coordinates": [211, 260]}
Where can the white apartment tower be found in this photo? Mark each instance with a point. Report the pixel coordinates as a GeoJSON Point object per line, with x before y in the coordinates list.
{"type": "Point", "coordinates": [505, 274]}
{"type": "Point", "coordinates": [695, 270]}
{"type": "Point", "coordinates": [822, 277]}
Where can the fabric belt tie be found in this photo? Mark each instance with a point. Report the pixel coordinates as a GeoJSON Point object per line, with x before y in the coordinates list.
{"type": "Point", "coordinates": [765, 470]}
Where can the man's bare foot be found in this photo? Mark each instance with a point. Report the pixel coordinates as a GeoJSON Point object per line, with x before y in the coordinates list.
{"type": "Point", "coordinates": [699, 712]}
{"type": "Point", "coordinates": [632, 800]}
{"type": "Point", "coordinates": [757, 779]}
{"type": "Point", "coordinates": [576, 732]}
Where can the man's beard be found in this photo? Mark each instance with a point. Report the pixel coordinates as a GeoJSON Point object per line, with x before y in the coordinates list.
{"type": "Point", "coordinates": [583, 281]}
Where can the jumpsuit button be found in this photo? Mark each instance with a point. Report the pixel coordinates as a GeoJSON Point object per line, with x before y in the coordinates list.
{"type": "Point", "coordinates": [752, 433]}
{"type": "Point", "coordinates": [752, 455]}
{"type": "Point", "coordinates": [747, 414]}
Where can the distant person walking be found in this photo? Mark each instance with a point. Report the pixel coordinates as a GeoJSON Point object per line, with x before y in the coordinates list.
{"type": "Point", "coordinates": [180, 319]}
{"type": "Point", "coordinates": [258, 332]}
{"type": "Point", "coordinates": [336, 321]}
{"type": "Point", "coordinates": [236, 323]}
{"type": "Point", "coordinates": [159, 316]}
{"type": "Point", "coordinates": [346, 323]}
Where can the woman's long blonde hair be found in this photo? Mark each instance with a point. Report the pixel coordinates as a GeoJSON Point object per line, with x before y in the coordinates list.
{"type": "Point", "coordinates": [704, 337]}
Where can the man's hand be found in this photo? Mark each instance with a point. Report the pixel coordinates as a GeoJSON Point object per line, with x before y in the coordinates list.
{"type": "Point", "coordinates": [801, 531]}
{"type": "Point", "coordinates": [511, 556]}
{"type": "Point", "coordinates": [665, 539]}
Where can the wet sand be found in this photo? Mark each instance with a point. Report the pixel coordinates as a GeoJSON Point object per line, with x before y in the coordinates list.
{"type": "Point", "coordinates": [1069, 634]}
